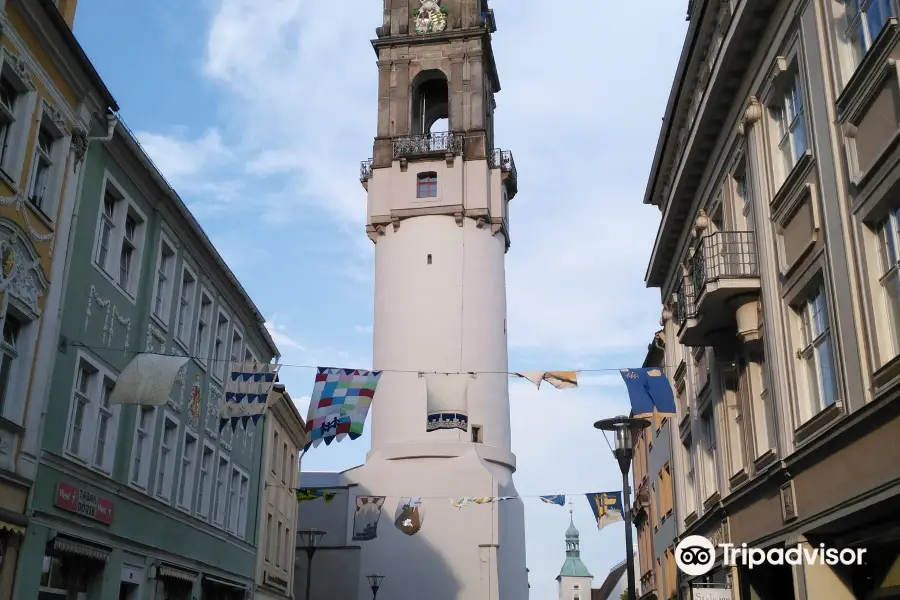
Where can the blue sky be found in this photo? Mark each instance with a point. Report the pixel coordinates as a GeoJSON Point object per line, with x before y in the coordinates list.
{"type": "Point", "coordinates": [259, 111]}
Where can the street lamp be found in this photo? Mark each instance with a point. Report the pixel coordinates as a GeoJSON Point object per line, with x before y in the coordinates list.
{"type": "Point", "coordinates": [375, 583]}
{"type": "Point", "coordinates": [309, 541]}
{"type": "Point", "coordinates": [626, 431]}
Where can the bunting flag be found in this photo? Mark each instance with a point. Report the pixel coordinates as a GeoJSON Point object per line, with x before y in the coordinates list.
{"type": "Point", "coordinates": [447, 401]}
{"type": "Point", "coordinates": [410, 515]}
{"type": "Point", "coordinates": [246, 392]}
{"type": "Point", "coordinates": [649, 389]}
{"type": "Point", "coordinates": [460, 502]}
{"type": "Point", "coordinates": [339, 404]}
{"type": "Point", "coordinates": [307, 495]}
{"type": "Point", "coordinates": [561, 380]}
{"type": "Point", "coordinates": [365, 519]}
{"type": "Point", "coordinates": [557, 499]}
{"type": "Point", "coordinates": [607, 508]}
{"type": "Point", "coordinates": [147, 380]}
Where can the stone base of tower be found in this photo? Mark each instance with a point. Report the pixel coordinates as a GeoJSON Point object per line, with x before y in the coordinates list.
{"type": "Point", "coordinates": [476, 552]}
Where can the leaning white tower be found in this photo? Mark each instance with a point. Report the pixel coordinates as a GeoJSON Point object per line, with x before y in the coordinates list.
{"type": "Point", "coordinates": [437, 213]}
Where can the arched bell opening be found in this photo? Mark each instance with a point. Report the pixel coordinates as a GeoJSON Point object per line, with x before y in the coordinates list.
{"type": "Point", "coordinates": [430, 103]}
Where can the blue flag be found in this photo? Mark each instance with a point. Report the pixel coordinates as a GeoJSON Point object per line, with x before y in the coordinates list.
{"type": "Point", "coordinates": [557, 499]}
{"type": "Point", "coordinates": [607, 507]}
{"type": "Point", "coordinates": [649, 389]}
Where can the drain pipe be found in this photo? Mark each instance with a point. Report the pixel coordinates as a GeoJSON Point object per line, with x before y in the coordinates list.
{"type": "Point", "coordinates": [112, 121]}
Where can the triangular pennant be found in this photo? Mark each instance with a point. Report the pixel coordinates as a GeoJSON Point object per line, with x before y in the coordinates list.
{"type": "Point", "coordinates": [255, 418]}
{"type": "Point", "coordinates": [244, 420]}
{"type": "Point", "coordinates": [222, 423]}
{"type": "Point", "coordinates": [270, 377]}
{"type": "Point", "coordinates": [234, 422]}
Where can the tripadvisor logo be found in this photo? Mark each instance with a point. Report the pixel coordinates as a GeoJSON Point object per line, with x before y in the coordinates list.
{"type": "Point", "coordinates": [695, 556]}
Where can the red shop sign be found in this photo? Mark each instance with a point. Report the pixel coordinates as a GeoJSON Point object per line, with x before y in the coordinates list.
{"type": "Point", "coordinates": [84, 503]}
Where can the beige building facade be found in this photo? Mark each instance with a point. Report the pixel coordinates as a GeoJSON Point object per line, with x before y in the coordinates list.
{"type": "Point", "coordinates": [285, 438]}
{"type": "Point", "coordinates": [777, 260]}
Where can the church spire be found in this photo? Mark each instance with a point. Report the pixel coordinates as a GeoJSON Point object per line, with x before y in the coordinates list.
{"type": "Point", "coordinates": [573, 567]}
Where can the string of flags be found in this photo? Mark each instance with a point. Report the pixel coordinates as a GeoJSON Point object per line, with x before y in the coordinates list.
{"type": "Point", "coordinates": [410, 512]}
{"type": "Point", "coordinates": [246, 392]}
{"type": "Point", "coordinates": [341, 398]}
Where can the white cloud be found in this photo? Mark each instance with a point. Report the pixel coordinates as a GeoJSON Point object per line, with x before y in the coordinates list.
{"type": "Point", "coordinates": [298, 83]}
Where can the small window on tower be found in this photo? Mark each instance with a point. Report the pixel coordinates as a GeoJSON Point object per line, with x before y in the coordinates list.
{"type": "Point", "coordinates": [477, 434]}
{"type": "Point", "coordinates": [427, 185]}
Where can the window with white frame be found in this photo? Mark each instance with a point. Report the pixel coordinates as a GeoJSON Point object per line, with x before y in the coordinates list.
{"type": "Point", "coordinates": [186, 297]}
{"type": "Point", "coordinates": [280, 544]}
{"type": "Point", "coordinates": [789, 115]}
{"type": "Point", "coordinates": [763, 409]}
{"type": "Point", "coordinates": [40, 189]}
{"type": "Point", "coordinates": [220, 360]}
{"type": "Point", "coordinates": [93, 421]}
{"type": "Point", "coordinates": [269, 539]}
{"type": "Point", "coordinates": [863, 21]}
{"type": "Point", "coordinates": [243, 492]}
{"type": "Point", "coordinates": [274, 458]}
{"type": "Point", "coordinates": [234, 488]}
{"type": "Point", "coordinates": [165, 267]}
{"type": "Point", "coordinates": [221, 492]}
{"type": "Point", "coordinates": [249, 355]}
{"type": "Point", "coordinates": [287, 548]}
{"type": "Point", "coordinates": [188, 464]}
{"type": "Point", "coordinates": [284, 463]}
{"type": "Point", "coordinates": [143, 445]}
{"type": "Point", "coordinates": [9, 355]}
{"type": "Point", "coordinates": [120, 238]}
{"type": "Point", "coordinates": [710, 464]}
{"type": "Point", "coordinates": [687, 453]}
{"type": "Point", "coordinates": [237, 340]}
{"type": "Point", "coordinates": [16, 109]}
{"type": "Point", "coordinates": [817, 354]}
{"type": "Point", "coordinates": [201, 348]}
{"type": "Point", "coordinates": [293, 469]}
{"type": "Point", "coordinates": [888, 233]}
{"type": "Point", "coordinates": [168, 447]}
{"type": "Point", "coordinates": [204, 485]}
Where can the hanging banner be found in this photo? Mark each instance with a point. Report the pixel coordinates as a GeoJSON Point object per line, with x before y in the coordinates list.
{"type": "Point", "coordinates": [246, 392]}
{"type": "Point", "coordinates": [339, 404]}
{"type": "Point", "coordinates": [649, 389]}
{"type": "Point", "coordinates": [410, 515]}
{"type": "Point", "coordinates": [607, 508]}
{"type": "Point", "coordinates": [365, 519]}
{"type": "Point", "coordinates": [561, 380]}
{"type": "Point", "coordinates": [447, 401]}
{"type": "Point", "coordinates": [147, 380]}
{"type": "Point", "coordinates": [460, 502]}
{"type": "Point", "coordinates": [307, 495]}
{"type": "Point", "coordinates": [557, 499]}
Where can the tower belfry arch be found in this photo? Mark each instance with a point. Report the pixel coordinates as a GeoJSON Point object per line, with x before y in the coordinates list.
{"type": "Point", "coordinates": [438, 215]}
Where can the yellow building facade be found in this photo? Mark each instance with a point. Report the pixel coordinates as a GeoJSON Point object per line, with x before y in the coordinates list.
{"type": "Point", "coordinates": [52, 103]}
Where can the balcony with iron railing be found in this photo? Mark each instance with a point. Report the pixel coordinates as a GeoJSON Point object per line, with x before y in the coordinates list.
{"type": "Point", "coordinates": [722, 276]}
{"type": "Point", "coordinates": [365, 173]}
{"type": "Point", "coordinates": [428, 145]}
{"type": "Point", "coordinates": [503, 160]}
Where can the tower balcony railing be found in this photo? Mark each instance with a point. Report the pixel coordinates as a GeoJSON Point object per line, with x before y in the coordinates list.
{"type": "Point", "coordinates": [409, 146]}
{"type": "Point", "coordinates": [724, 267]}
{"type": "Point", "coordinates": [503, 160]}
{"type": "Point", "coordinates": [365, 172]}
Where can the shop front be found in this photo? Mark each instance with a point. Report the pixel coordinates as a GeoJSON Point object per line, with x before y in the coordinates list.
{"type": "Point", "coordinates": [13, 525]}
{"type": "Point", "coordinates": [215, 588]}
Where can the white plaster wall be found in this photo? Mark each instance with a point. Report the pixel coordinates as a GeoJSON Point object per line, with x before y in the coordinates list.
{"type": "Point", "coordinates": [447, 316]}
{"type": "Point", "coordinates": [460, 553]}
{"type": "Point", "coordinates": [572, 587]}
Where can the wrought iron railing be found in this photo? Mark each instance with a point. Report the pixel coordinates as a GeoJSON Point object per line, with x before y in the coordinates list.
{"type": "Point", "coordinates": [430, 143]}
{"type": "Point", "coordinates": [365, 170]}
{"type": "Point", "coordinates": [684, 303]}
{"type": "Point", "coordinates": [724, 254]}
{"type": "Point", "coordinates": [503, 160]}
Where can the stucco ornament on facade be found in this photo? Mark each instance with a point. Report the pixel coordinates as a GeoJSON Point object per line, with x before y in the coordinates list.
{"type": "Point", "coordinates": [431, 17]}
{"type": "Point", "coordinates": [213, 398]}
{"type": "Point", "coordinates": [20, 271]}
{"type": "Point", "coordinates": [111, 319]}
{"type": "Point", "coordinates": [19, 201]}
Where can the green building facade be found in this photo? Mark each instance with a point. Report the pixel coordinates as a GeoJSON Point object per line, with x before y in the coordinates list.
{"type": "Point", "coordinates": [133, 502]}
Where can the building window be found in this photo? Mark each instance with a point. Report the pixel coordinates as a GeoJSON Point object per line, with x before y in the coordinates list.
{"type": "Point", "coordinates": [817, 353]}
{"type": "Point", "coordinates": [269, 537]}
{"type": "Point", "coordinates": [41, 169]}
{"type": "Point", "coordinates": [186, 305]}
{"type": "Point", "coordinates": [234, 487]}
{"type": "Point", "coordinates": [9, 353]}
{"type": "Point", "coordinates": [665, 491]}
{"type": "Point", "coordinates": [293, 465]}
{"type": "Point", "coordinates": [120, 238]}
{"type": "Point", "coordinates": [220, 362]}
{"type": "Point", "coordinates": [221, 498]}
{"type": "Point", "coordinates": [186, 477]}
{"type": "Point", "coordinates": [242, 505]}
{"type": "Point", "coordinates": [201, 349]}
{"type": "Point", "coordinates": [284, 464]}
{"type": "Point", "coordinates": [205, 483]}
{"type": "Point", "coordinates": [287, 548]}
{"type": "Point", "coordinates": [274, 459]}
{"type": "Point", "coordinates": [164, 269]}
{"type": "Point", "coordinates": [790, 119]}
{"type": "Point", "coordinates": [426, 185]}
{"type": "Point", "coordinates": [9, 96]}
{"type": "Point", "coordinates": [143, 444]}
{"type": "Point", "coordinates": [864, 20]}
{"type": "Point", "coordinates": [687, 452]}
{"type": "Point", "coordinates": [16, 111]}
{"type": "Point", "coordinates": [888, 232]}
{"type": "Point", "coordinates": [236, 345]}
{"type": "Point", "coordinates": [710, 464]}
{"type": "Point", "coordinates": [166, 468]}
{"type": "Point", "coordinates": [279, 550]}
{"type": "Point", "coordinates": [93, 421]}
{"type": "Point", "coordinates": [701, 369]}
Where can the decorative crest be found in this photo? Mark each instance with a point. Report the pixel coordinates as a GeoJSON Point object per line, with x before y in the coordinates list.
{"type": "Point", "coordinates": [431, 17]}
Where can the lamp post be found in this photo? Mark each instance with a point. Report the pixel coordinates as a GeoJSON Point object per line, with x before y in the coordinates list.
{"type": "Point", "coordinates": [309, 541]}
{"type": "Point", "coordinates": [626, 430]}
{"type": "Point", "coordinates": [375, 583]}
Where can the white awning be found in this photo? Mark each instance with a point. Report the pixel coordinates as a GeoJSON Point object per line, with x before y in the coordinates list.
{"type": "Point", "coordinates": [67, 546]}
{"type": "Point", "coordinates": [147, 380]}
{"type": "Point", "coordinates": [176, 573]}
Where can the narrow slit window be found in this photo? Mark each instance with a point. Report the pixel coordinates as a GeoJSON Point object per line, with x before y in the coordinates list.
{"type": "Point", "coordinates": [427, 185]}
{"type": "Point", "coordinates": [477, 435]}
{"type": "Point", "coordinates": [429, 259]}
